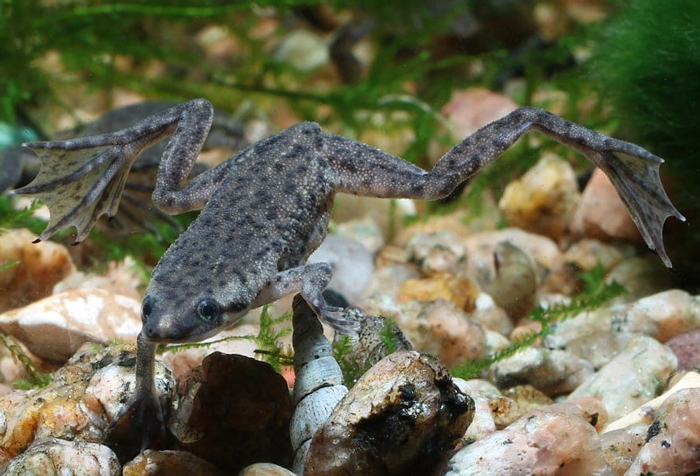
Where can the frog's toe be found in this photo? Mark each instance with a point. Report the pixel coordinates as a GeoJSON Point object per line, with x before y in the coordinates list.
{"type": "Point", "coordinates": [137, 425]}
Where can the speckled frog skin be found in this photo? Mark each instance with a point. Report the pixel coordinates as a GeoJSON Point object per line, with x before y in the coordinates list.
{"type": "Point", "coordinates": [267, 208]}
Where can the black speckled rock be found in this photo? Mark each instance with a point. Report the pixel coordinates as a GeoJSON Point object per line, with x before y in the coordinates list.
{"type": "Point", "coordinates": [401, 415]}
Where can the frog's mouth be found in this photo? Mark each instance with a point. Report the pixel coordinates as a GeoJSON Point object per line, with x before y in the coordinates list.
{"type": "Point", "coordinates": [170, 329]}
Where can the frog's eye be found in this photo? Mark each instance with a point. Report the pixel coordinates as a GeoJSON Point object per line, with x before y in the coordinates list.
{"type": "Point", "coordinates": [146, 309]}
{"type": "Point", "coordinates": [208, 309]}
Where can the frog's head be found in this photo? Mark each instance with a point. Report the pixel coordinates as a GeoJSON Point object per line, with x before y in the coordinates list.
{"type": "Point", "coordinates": [181, 311]}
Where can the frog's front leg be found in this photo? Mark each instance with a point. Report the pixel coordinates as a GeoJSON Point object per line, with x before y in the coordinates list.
{"type": "Point", "coordinates": [142, 415]}
{"type": "Point", "coordinates": [310, 281]}
{"type": "Point", "coordinates": [364, 170]}
{"type": "Point", "coordinates": [82, 179]}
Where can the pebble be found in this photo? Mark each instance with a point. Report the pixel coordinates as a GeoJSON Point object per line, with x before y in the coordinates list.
{"type": "Point", "coordinates": [621, 447]}
{"type": "Point", "coordinates": [84, 396]}
{"type": "Point", "coordinates": [646, 412]}
{"type": "Point", "coordinates": [556, 441]}
{"type": "Point", "coordinates": [675, 311]}
{"type": "Point", "coordinates": [554, 372]}
{"type": "Point", "coordinates": [460, 290]}
{"type": "Point", "coordinates": [544, 199]}
{"type": "Point", "coordinates": [55, 327]}
{"type": "Point", "coordinates": [237, 402]}
{"type": "Point", "coordinates": [632, 378]}
{"type": "Point", "coordinates": [389, 279]}
{"type": "Point", "coordinates": [438, 252]}
{"type": "Point", "coordinates": [363, 230]}
{"type": "Point", "coordinates": [40, 266]}
{"type": "Point", "coordinates": [599, 347]}
{"type": "Point", "coordinates": [123, 278]}
{"type": "Point", "coordinates": [641, 277]}
{"type": "Point", "coordinates": [492, 317]}
{"type": "Point", "coordinates": [438, 328]}
{"type": "Point", "coordinates": [513, 286]}
{"type": "Point", "coordinates": [611, 319]}
{"type": "Point", "coordinates": [303, 50]}
{"type": "Point", "coordinates": [56, 457]}
{"type": "Point", "coordinates": [264, 469]}
{"type": "Point", "coordinates": [517, 401]}
{"type": "Point", "coordinates": [602, 213]}
{"type": "Point", "coordinates": [471, 109]}
{"type": "Point", "coordinates": [587, 254]}
{"type": "Point", "coordinates": [169, 463]}
{"type": "Point", "coordinates": [673, 440]}
{"type": "Point", "coordinates": [352, 262]}
{"type": "Point", "coordinates": [686, 348]}
{"type": "Point", "coordinates": [400, 415]}
{"type": "Point", "coordinates": [481, 246]}
{"type": "Point", "coordinates": [373, 340]}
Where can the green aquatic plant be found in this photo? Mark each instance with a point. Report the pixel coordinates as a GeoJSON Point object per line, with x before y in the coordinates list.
{"type": "Point", "coordinates": [351, 368]}
{"type": "Point", "coordinates": [595, 294]}
{"type": "Point", "coordinates": [36, 377]}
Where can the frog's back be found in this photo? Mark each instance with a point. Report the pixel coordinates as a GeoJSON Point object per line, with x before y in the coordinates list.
{"type": "Point", "coordinates": [268, 213]}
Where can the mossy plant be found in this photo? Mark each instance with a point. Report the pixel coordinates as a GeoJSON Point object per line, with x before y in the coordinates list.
{"type": "Point", "coordinates": [646, 63]}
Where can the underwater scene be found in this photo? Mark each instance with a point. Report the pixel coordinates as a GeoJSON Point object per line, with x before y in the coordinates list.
{"type": "Point", "coordinates": [367, 238]}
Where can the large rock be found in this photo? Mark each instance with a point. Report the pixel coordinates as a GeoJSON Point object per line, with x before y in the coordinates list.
{"type": "Point", "coordinates": [55, 457]}
{"type": "Point", "coordinates": [632, 378]}
{"type": "Point", "coordinates": [80, 402]}
{"type": "Point", "coordinates": [401, 415]}
{"type": "Point", "coordinates": [557, 441]}
{"type": "Point", "coordinates": [673, 440]}
{"type": "Point", "coordinates": [237, 402]}
{"type": "Point", "coordinates": [55, 327]}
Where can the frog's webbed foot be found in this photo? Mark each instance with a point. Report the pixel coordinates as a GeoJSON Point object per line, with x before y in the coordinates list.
{"type": "Point", "coordinates": [79, 180]}
{"type": "Point", "coordinates": [635, 173]}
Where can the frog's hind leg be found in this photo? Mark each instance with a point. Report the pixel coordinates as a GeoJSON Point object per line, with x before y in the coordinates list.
{"type": "Point", "coordinates": [364, 170]}
{"type": "Point", "coordinates": [82, 179]}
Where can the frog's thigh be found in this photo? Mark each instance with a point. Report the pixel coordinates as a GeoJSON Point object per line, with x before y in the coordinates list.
{"type": "Point", "coordinates": [309, 280]}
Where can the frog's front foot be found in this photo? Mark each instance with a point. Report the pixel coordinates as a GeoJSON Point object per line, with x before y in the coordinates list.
{"type": "Point", "coordinates": [137, 425]}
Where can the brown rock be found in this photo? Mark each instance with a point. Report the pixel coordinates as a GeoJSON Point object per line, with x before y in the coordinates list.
{"type": "Point", "coordinates": [237, 402]}
{"type": "Point", "coordinates": [621, 447]}
{"type": "Point", "coordinates": [40, 266]}
{"type": "Point", "coordinates": [400, 415]}
{"type": "Point", "coordinates": [169, 463]}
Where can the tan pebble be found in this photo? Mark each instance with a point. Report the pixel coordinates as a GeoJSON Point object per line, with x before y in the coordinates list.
{"type": "Point", "coordinates": [40, 267]}
{"type": "Point", "coordinates": [675, 310]}
{"type": "Point", "coordinates": [544, 199]}
{"type": "Point", "coordinates": [621, 447]}
{"type": "Point", "coordinates": [460, 290]}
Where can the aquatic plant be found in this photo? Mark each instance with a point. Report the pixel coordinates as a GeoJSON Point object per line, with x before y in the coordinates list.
{"type": "Point", "coordinates": [595, 294]}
